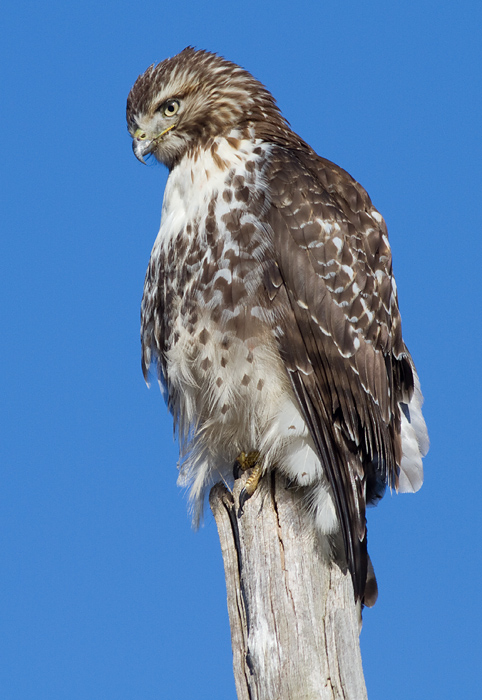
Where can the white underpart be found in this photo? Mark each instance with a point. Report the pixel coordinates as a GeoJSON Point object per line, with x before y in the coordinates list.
{"type": "Point", "coordinates": [190, 186]}
{"type": "Point", "coordinates": [284, 441]}
{"type": "Point", "coordinates": [415, 443]}
{"type": "Point", "coordinates": [289, 436]}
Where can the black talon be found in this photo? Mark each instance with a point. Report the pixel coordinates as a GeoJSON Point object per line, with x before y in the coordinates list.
{"type": "Point", "coordinates": [243, 497]}
{"type": "Point", "coordinates": [237, 470]}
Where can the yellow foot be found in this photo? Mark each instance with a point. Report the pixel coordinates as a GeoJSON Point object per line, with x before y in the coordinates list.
{"type": "Point", "coordinates": [249, 461]}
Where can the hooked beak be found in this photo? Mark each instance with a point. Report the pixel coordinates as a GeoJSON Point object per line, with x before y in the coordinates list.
{"type": "Point", "coordinates": [142, 145]}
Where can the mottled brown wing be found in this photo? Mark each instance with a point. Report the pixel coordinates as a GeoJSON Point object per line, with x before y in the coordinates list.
{"type": "Point", "coordinates": [340, 334]}
{"type": "Point", "coordinates": [155, 324]}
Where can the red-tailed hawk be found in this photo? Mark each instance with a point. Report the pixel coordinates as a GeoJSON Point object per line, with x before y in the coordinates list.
{"type": "Point", "coordinates": [269, 303]}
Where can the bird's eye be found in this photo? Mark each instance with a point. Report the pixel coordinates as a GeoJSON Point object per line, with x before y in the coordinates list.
{"type": "Point", "coordinates": [170, 108]}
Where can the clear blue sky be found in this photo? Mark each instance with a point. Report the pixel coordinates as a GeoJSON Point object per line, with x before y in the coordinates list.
{"type": "Point", "coordinates": [105, 591]}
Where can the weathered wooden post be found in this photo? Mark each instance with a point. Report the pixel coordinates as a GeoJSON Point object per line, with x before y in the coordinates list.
{"type": "Point", "coordinates": [294, 622]}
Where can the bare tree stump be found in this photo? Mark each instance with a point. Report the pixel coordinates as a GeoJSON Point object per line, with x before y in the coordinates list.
{"type": "Point", "coordinates": [294, 622]}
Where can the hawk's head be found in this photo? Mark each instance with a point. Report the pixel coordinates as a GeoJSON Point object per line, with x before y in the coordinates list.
{"type": "Point", "coordinates": [193, 97]}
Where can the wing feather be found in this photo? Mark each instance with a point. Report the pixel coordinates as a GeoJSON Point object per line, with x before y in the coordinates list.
{"type": "Point", "coordinates": [340, 336]}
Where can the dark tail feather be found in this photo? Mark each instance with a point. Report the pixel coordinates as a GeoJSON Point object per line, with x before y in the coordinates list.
{"type": "Point", "coordinates": [371, 587]}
